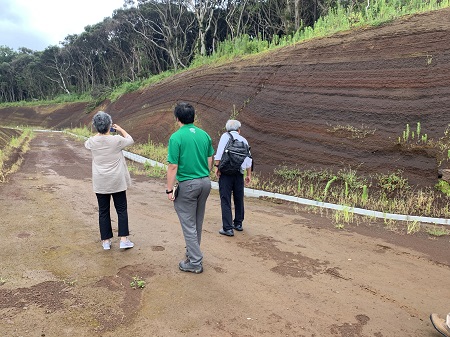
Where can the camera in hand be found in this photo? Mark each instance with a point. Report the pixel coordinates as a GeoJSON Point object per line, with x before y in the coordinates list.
{"type": "Point", "coordinates": [112, 129]}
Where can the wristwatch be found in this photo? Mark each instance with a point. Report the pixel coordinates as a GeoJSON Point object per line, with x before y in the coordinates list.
{"type": "Point", "coordinates": [168, 192]}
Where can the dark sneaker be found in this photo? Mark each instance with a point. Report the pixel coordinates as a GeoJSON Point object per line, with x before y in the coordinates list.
{"type": "Point", "coordinates": [228, 232]}
{"type": "Point", "coordinates": [189, 267]}
{"type": "Point", "coordinates": [440, 325]}
{"type": "Point", "coordinates": [238, 228]}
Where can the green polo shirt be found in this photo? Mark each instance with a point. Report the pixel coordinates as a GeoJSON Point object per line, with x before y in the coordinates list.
{"type": "Point", "coordinates": [189, 148]}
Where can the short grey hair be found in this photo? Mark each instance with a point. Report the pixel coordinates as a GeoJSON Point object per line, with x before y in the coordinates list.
{"type": "Point", "coordinates": [233, 125]}
{"type": "Point", "coordinates": [102, 122]}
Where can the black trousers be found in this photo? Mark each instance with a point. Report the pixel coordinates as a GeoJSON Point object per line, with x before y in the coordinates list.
{"type": "Point", "coordinates": [231, 185]}
{"type": "Point", "coordinates": [104, 216]}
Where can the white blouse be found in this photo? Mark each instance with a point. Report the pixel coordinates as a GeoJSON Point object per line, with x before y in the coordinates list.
{"type": "Point", "coordinates": [109, 168]}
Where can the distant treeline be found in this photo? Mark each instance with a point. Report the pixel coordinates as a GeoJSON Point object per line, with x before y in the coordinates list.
{"type": "Point", "coordinates": [150, 37]}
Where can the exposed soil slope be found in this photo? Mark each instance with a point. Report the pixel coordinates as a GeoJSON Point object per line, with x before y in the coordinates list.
{"type": "Point", "coordinates": [6, 135]}
{"type": "Point", "coordinates": [379, 78]}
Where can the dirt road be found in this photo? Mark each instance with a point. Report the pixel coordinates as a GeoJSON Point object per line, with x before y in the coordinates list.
{"type": "Point", "coordinates": [287, 274]}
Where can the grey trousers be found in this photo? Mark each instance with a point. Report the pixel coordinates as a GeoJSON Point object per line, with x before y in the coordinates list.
{"type": "Point", "coordinates": [190, 206]}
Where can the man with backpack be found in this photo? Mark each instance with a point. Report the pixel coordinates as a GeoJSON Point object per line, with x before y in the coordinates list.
{"type": "Point", "coordinates": [232, 160]}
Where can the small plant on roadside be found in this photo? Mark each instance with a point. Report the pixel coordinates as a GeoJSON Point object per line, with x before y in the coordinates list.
{"type": "Point", "coordinates": [70, 282]}
{"type": "Point", "coordinates": [154, 171]}
{"type": "Point", "coordinates": [392, 181]}
{"type": "Point", "coordinates": [442, 147]}
{"type": "Point", "coordinates": [437, 231]}
{"type": "Point", "coordinates": [16, 145]}
{"type": "Point", "coordinates": [443, 186]}
{"type": "Point", "coordinates": [82, 131]}
{"type": "Point", "coordinates": [288, 173]}
{"type": "Point", "coordinates": [150, 150]}
{"type": "Point", "coordinates": [327, 186]}
{"type": "Point", "coordinates": [390, 224]}
{"type": "Point", "coordinates": [342, 217]}
{"type": "Point", "coordinates": [413, 227]}
{"type": "Point", "coordinates": [137, 283]}
{"type": "Point", "coordinates": [365, 194]}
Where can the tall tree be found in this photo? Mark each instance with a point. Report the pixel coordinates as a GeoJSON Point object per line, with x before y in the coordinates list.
{"type": "Point", "coordinates": [58, 67]}
{"type": "Point", "coordinates": [204, 11]}
{"type": "Point", "coordinates": [168, 26]}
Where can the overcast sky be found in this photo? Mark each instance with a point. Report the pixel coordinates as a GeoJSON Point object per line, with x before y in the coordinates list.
{"type": "Point", "coordinates": [37, 24]}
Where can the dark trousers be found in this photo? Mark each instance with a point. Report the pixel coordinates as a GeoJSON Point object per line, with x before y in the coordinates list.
{"type": "Point", "coordinates": [104, 217]}
{"type": "Point", "coordinates": [228, 185]}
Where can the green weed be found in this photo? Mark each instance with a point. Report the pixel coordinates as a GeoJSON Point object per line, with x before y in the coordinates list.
{"type": "Point", "coordinates": [413, 139]}
{"type": "Point", "coordinates": [137, 283]}
{"type": "Point", "coordinates": [443, 186]}
{"type": "Point", "coordinates": [437, 231]}
{"type": "Point", "coordinates": [156, 152]}
{"type": "Point", "coordinates": [392, 181]}
{"type": "Point", "coordinates": [413, 227]}
{"type": "Point", "coordinates": [365, 194]}
{"type": "Point", "coordinates": [327, 186]}
{"type": "Point", "coordinates": [154, 171]}
{"type": "Point", "coordinates": [340, 218]}
{"type": "Point", "coordinates": [82, 131]}
{"type": "Point", "coordinates": [16, 144]}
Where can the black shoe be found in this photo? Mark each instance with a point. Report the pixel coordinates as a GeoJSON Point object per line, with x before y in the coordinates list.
{"type": "Point", "coordinates": [238, 228]}
{"type": "Point", "coordinates": [228, 232]}
{"type": "Point", "coordinates": [189, 267]}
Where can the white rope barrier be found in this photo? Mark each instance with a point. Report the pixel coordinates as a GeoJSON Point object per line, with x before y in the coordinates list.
{"type": "Point", "coordinates": [249, 192]}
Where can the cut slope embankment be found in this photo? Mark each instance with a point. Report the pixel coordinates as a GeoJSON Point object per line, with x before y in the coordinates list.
{"type": "Point", "coordinates": [290, 100]}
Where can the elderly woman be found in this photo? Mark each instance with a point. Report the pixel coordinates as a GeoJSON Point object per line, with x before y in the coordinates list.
{"type": "Point", "coordinates": [110, 176]}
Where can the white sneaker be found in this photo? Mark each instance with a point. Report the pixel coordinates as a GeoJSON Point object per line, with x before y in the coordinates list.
{"type": "Point", "coordinates": [106, 244]}
{"type": "Point", "coordinates": [126, 244]}
{"type": "Point", "coordinates": [440, 325]}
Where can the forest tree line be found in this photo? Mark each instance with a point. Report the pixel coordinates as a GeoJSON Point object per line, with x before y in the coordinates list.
{"type": "Point", "coordinates": [147, 37]}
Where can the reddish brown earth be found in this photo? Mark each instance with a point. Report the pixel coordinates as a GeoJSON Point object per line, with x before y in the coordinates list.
{"type": "Point", "coordinates": [290, 273]}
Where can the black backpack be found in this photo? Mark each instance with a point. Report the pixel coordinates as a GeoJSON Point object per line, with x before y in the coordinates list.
{"type": "Point", "coordinates": [233, 156]}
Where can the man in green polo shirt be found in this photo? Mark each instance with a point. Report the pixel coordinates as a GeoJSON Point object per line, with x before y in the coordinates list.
{"type": "Point", "coordinates": [190, 161]}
